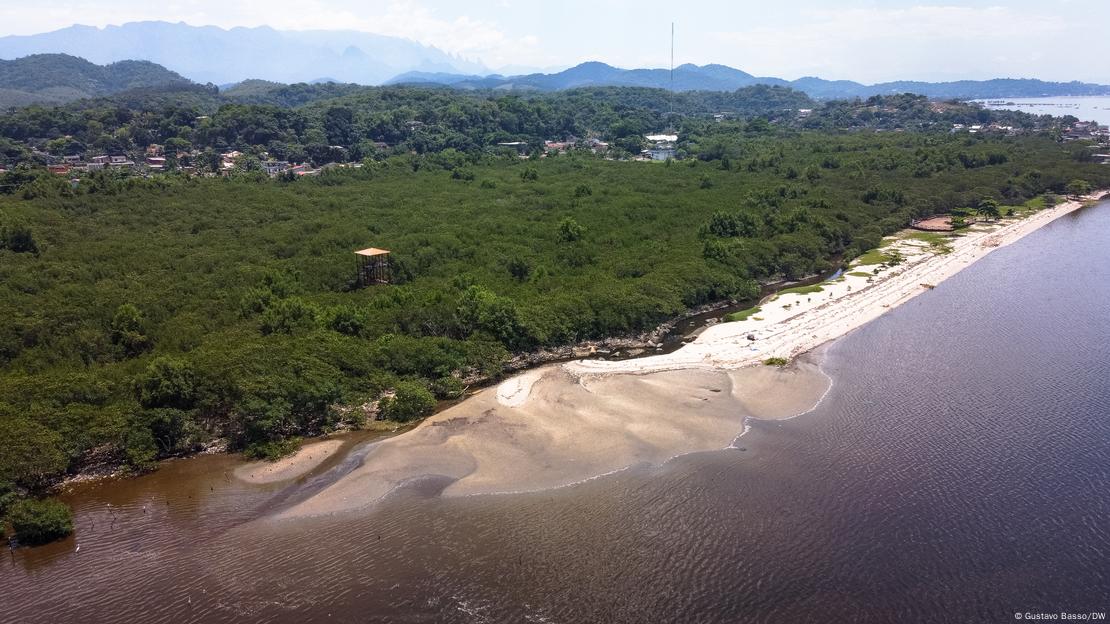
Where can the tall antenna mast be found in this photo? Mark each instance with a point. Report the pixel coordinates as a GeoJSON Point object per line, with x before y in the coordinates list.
{"type": "Point", "coordinates": [672, 70]}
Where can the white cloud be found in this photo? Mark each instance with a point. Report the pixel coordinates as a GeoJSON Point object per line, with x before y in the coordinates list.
{"type": "Point", "coordinates": [886, 44]}
{"type": "Point", "coordinates": [410, 19]}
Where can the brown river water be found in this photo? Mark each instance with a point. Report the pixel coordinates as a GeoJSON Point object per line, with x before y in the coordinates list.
{"type": "Point", "coordinates": [957, 471]}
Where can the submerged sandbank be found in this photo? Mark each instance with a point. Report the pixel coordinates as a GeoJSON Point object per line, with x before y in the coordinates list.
{"type": "Point", "coordinates": [307, 458]}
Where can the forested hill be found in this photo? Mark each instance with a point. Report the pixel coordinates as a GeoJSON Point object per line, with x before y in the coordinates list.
{"type": "Point", "coordinates": [60, 78]}
{"type": "Point", "coordinates": [328, 123]}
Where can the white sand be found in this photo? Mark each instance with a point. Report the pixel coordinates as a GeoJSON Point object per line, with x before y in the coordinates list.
{"type": "Point", "coordinates": [795, 323]}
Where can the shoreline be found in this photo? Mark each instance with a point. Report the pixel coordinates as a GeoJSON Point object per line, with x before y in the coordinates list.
{"type": "Point", "coordinates": [566, 423]}
{"type": "Point", "coordinates": [568, 430]}
{"type": "Point", "coordinates": [801, 322]}
{"type": "Point", "coordinates": [721, 347]}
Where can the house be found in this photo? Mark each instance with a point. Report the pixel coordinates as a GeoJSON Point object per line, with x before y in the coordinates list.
{"type": "Point", "coordinates": [597, 145]}
{"type": "Point", "coordinates": [663, 148]}
{"type": "Point", "coordinates": [72, 159]}
{"type": "Point", "coordinates": [58, 169]}
{"type": "Point", "coordinates": [154, 150]}
{"type": "Point", "coordinates": [100, 160]}
{"type": "Point", "coordinates": [274, 167]}
{"type": "Point", "coordinates": [156, 162]}
{"type": "Point", "coordinates": [520, 146]}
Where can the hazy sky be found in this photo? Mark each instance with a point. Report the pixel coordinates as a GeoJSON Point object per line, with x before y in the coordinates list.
{"type": "Point", "coordinates": [865, 40]}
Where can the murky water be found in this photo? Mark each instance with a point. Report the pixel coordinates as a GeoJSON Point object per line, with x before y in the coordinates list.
{"type": "Point", "coordinates": [958, 471]}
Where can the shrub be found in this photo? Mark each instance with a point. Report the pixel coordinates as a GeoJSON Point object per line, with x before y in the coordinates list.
{"type": "Point", "coordinates": [18, 238]}
{"type": "Point", "coordinates": [272, 450]}
{"type": "Point", "coordinates": [40, 521]}
{"type": "Point", "coordinates": [288, 316]}
{"type": "Point", "coordinates": [776, 361]}
{"type": "Point", "coordinates": [570, 230]}
{"type": "Point", "coordinates": [167, 382]}
{"type": "Point", "coordinates": [31, 454]}
{"type": "Point", "coordinates": [127, 330]}
{"type": "Point", "coordinates": [410, 402]}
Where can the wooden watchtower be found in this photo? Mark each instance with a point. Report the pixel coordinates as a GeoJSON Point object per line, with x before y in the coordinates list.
{"type": "Point", "coordinates": [373, 266]}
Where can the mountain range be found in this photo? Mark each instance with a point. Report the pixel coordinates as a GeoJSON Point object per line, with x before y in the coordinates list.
{"type": "Point", "coordinates": [212, 54]}
{"type": "Point", "coordinates": [208, 54]}
{"type": "Point", "coordinates": [723, 78]}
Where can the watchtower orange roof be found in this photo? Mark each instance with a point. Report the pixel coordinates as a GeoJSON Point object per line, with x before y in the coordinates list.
{"type": "Point", "coordinates": [372, 251]}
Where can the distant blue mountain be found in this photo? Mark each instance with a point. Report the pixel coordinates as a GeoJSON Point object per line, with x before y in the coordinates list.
{"type": "Point", "coordinates": [723, 78]}
{"type": "Point", "coordinates": [219, 56]}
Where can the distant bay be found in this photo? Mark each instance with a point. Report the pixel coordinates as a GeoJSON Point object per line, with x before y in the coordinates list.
{"type": "Point", "coordinates": [1085, 107]}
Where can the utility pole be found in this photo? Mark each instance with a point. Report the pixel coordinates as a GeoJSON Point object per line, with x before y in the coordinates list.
{"type": "Point", "coordinates": [672, 70]}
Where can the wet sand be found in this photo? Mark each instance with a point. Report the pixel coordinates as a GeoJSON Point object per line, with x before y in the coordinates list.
{"type": "Point", "coordinates": [307, 458]}
{"type": "Point", "coordinates": [570, 429]}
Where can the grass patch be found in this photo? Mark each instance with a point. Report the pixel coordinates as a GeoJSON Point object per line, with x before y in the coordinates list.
{"type": "Point", "coordinates": [875, 256]}
{"type": "Point", "coordinates": [933, 238]}
{"type": "Point", "coordinates": [801, 290]}
{"type": "Point", "coordinates": [860, 274]}
{"type": "Point", "coordinates": [776, 361]}
{"type": "Point", "coordinates": [742, 315]}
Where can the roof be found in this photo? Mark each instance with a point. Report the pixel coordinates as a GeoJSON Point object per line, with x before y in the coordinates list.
{"type": "Point", "coordinates": [372, 251]}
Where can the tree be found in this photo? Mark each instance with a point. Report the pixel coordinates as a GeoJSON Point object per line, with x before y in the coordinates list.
{"type": "Point", "coordinates": [481, 310]}
{"type": "Point", "coordinates": [287, 316]}
{"type": "Point", "coordinates": [988, 208]}
{"type": "Point", "coordinates": [1077, 188]}
{"type": "Point", "coordinates": [519, 268]}
{"type": "Point", "coordinates": [570, 230]}
{"type": "Point", "coordinates": [168, 382]}
{"type": "Point", "coordinates": [127, 330]}
{"type": "Point", "coordinates": [339, 125]}
{"type": "Point", "coordinates": [40, 521]}
{"type": "Point", "coordinates": [410, 401]}
{"type": "Point", "coordinates": [32, 455]}
{"type": "Point", "coordinates": [18, 238]}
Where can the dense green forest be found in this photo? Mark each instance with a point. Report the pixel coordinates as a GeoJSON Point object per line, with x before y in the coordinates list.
{"type": "Point", "coordinates": [141, 317]}
{"type": "Point", "coordinates": [59, 78]}
{"type": "Point", "coordinates": [327, 123]}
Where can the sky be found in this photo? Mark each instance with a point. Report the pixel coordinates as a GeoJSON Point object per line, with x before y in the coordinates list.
{"type": "Point", "coordinates": [864, 40]}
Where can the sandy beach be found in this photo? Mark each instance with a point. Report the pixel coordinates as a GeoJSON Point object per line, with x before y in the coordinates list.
{"type": "Point", "coordinates": [298, 464]}
{"type": "Point", "coordinates": [561, 424]}
{"type": "Point", "coordinates": [794, 323]}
